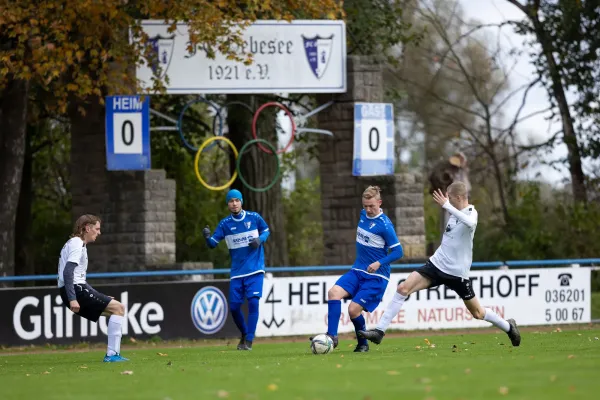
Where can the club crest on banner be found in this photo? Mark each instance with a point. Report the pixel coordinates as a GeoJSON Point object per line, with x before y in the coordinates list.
{"type": "Point", "coordinates": [318, 52]}
{"type": "Point", "coordinates": [163, 50]}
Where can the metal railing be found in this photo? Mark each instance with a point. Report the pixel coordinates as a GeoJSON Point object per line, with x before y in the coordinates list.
{"type": "Point", "coordinates": [475, 265]}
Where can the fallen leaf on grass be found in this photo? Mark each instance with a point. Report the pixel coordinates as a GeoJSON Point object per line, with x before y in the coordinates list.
{"type": "Point", "coordinates": [272, 387]}
{"type": "Point", "coordinates": [418, 347]}
{"type": "Point", "coordinates": [424, 380]}
{"type": "Point", "coordinates": [45, 373]}
{"type": "Point", "coordinates": [83, 367]}
{"type": "Point", "coordinates": [393, 373]}
{"type": "Point", "coordinates": [427, 342]}
{"type": "Point", "coordinates": [222, 394]}
{"type": "Point", "coordinates": [571, 356]}
{"type": "Point", "coordinates": [503, 390]}
{"type": "Point", "coordinates": [162, 354]}
{"type": "Point", "coordinates": [468, 371]}
{"type": "Point", "coordinates": [127, 373]}
{"type": "Point", "coordinates": [433, 345]}
{"type": "Point", "coordinates": [579, 334]}
{"type": "Point", "coordinates": [553, 378]}
{"type": "Point", "coordinates": [428, 389]}
{"type": "Point", "coordinates": [531, 357]}
{"type": "Point", "coordinates": [571, 388]}
{"type": "Point", "coordinates": [338, 365]}
{"type": "Point", "coordinates": [418, 366]}
{"type": "Point", "coordinates": [342, 356]}
{"type": "Point", "coordinates": [27, 375]}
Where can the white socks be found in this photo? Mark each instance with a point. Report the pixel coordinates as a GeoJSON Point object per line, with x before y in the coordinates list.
{"type": "Point", "coordinates": [114, 335]}
{"type": "Point", "coordinates": [391, 311]}
{"type": "Point", "coordinates": [491, 316]}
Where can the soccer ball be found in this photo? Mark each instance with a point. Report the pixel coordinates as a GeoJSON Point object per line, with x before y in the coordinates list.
{"type": "Point", "coordinates": [321, 344]}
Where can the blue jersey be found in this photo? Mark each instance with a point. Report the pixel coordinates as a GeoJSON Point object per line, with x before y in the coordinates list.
{"type": "Point", "coordinates": [238, 232]}
{"type": "Point", "coordinates": [375, 237]}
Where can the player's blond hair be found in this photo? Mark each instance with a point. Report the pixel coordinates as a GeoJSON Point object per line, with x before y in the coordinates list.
{"type": "Point", "coordinates": [458, 189]}
{"type": "Point", "coordinates": [82, 222]}
{"type": "Point", "coordinates": [372, 192]}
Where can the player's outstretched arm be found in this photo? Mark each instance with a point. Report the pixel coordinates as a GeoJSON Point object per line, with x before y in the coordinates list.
{"type": "Point", "coordinates": [442, 200]}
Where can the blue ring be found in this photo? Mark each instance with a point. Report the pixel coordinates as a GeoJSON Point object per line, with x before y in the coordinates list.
{"type": "Point", "coordinates": [180, 122]}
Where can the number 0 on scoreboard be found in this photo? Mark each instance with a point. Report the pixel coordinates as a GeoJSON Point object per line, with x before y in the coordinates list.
{"type": "Point", "coordinates": [373, 139]}
{"type": "Point", "coordinates": [127, 133]}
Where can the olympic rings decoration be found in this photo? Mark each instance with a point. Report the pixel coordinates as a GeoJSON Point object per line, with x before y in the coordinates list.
{"type": "Point", "coordinates": [289, 114]}
{"type": "Point", "coordinates": [264, 145]}
{"type": "Point", "coordinates": [239, 172]}
{"type": "Point", "coordinates": [197, 158]}
{"type": "Point", "coordinates": [180, 121]}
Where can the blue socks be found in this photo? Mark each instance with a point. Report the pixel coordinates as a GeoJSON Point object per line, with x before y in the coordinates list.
{"type": "Point", "coordinates": [333, 317]}
{"type": "Point", "coordinates": [360, 325]}
{"type": "Point", "coordinates": [238, 318]}
{"type": "Point", "coordinates": [252, 317]}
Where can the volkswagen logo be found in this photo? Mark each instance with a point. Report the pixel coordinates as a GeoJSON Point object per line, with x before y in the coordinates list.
{"type": "Point", "coordinates": [209, 310]}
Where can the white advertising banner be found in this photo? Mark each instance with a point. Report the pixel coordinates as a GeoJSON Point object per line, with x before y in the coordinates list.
{"type": "Point", "coordinates": [540, 296]}
{"type": "Point", "coordinates": [304, 56]}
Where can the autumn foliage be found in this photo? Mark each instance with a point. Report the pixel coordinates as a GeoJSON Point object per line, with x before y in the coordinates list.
{"type": "Point", "coordinates": [79, 47]}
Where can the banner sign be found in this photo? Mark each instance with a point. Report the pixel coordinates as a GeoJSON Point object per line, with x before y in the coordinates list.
{"type": "Point", "coordinates": [293, 306]}
{"type": "Point", "coordinates": [192, 310]}
{"type": "Point", "coordinates": [301, 56]}
{"type": "Point", "coordinates": [296, 306]}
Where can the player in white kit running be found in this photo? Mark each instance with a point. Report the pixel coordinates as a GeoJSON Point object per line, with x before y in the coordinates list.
{"type": "Point", "coordinates": [449, 265]}
{"type": "Point", "coordinates": [78, 296]}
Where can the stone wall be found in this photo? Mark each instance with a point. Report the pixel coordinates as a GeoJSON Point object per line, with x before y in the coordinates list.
{"type": "Point", "coordinates": [341, 191]}
{"type": "Point", "coordinates": [137, 208]}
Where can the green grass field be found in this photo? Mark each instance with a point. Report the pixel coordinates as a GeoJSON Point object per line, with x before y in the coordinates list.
{"type": "Point", "coordinates": [548, 365]}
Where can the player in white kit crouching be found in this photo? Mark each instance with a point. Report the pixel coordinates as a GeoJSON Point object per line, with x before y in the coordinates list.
{"type": "Point", "coordinates": [80, 297]}
{"type": "Point", "coordinates": [450, 266]}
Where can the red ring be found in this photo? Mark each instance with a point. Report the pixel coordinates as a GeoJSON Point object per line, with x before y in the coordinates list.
{"type": "Point", "coordinates": [289, 114]}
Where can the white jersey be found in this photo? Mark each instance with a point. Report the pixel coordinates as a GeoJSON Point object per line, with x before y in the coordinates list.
{"type": "Point", "coordinates": [455, 254]}
{"type": "Point", "coordinates": [74, 251]}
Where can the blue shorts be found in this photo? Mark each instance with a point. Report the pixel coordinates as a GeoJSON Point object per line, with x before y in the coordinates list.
{"type": "Point", "coordinates": [246, 287]}
{"type": "Point", "coordinates": [365, 290]}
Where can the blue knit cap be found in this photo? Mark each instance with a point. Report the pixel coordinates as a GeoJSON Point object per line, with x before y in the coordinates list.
{"type": "Point", "coordinates": [234, 194]}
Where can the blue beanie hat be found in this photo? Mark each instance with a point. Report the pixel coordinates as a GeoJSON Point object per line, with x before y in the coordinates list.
{"type": "Point", "coordinates": [234, 194]}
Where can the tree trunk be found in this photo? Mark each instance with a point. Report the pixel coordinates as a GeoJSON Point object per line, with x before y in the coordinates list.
{"type": "Point", "coordinates": [570, 136]}
{"type": "Point", "coordinates": [13, 122]}
{"type": "Point", "coordinates": [258, 169]}
{"type": "Point", "coordinates": [23, 255]}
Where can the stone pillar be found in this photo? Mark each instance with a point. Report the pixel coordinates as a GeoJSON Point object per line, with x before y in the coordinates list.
{"type": "Point", "coordinates": [137, 208]}
{"type": "Point", "coordinates": [341, 191]}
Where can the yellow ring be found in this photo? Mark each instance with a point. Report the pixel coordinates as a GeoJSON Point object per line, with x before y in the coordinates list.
{"type": "Point", "coordinates": [206, 143]}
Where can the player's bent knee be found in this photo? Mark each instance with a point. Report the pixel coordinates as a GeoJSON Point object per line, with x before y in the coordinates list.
{"type": "Point", "coordinates": [403, 289]}
{"type": "Point", "coordinates": [354, 310]}
{"type": "Point", "coordinates": [115, 308]}
{"type": "Point", "coordinates": [335, 293]}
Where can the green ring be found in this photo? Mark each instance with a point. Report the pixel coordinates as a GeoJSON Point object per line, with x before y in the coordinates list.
{"type": "Point", "coordinates": [239, 157]}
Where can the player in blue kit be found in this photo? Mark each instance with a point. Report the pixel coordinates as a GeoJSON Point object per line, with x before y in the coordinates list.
{"type": "Point", "coordinates": [244, 232]}
{"type": "Point", "coordinates": [377, 245]}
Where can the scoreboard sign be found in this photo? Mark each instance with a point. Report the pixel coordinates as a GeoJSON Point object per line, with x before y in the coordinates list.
{"type": "Point", "coordinates": [127, 133]}
{"type": "Point", "coordinates": [373, 139]}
